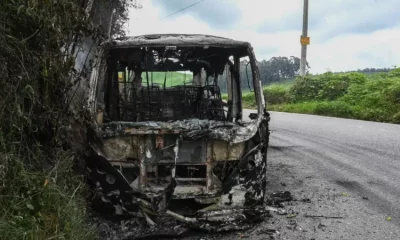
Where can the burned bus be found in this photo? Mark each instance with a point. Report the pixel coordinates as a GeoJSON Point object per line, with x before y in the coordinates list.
{"type": "Point", "coordinates": [168, 131]}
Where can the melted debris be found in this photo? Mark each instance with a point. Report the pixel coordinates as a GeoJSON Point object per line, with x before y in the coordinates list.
{"type": "Point", "coordinates": [114, 196]}
{"type": "Point", "coordinates": [189, 128]}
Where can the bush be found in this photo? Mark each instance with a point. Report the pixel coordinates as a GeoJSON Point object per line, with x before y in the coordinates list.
{"type": "Point", "coordinates": [249, 100]}
{"type": "Point", "coordinates": [382, 93]}
{"type": "Point", "coordinates": [351, 95]}
{"type": "Point", "coordinates": [394, 73]}
{"type": "Point", "coordinates": [305, 89]}
{"type": "Point", "coordinates": [327, 86]}
{"type": "Point", "coordinates": [276, 94]}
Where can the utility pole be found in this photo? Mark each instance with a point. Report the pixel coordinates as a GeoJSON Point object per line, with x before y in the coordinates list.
{"type": "Point", "coordinates": [304, 40]}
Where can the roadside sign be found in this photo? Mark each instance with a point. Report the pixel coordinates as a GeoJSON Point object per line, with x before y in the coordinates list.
{"type": "Point", "coordinates": [304, 40]}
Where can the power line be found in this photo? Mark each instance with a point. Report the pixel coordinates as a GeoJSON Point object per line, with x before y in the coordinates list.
{"type": "Point", "coordinates": [180, 10]}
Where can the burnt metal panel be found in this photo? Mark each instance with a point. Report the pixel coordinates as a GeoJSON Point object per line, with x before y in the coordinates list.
{"type": "Point", "coordinates": [143, 168]}
{"type": "Point", "coordinates": [223, 151]}
{"type": "Point", "coordinates": [175, 40]}
{"type": "Point", "coordinates": [119, 148]}
{"type": "Point", "coordinates": [192, 151]}
{"type": "Point", "coordinates": [210, 166]}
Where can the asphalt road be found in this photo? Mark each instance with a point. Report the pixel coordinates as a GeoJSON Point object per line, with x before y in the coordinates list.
{"type": "Point", "coordinates": [361, 156]}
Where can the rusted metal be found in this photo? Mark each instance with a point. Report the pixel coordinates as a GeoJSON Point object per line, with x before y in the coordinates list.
{"type": "Point", "coordinates": [159, 141]}
{"type": "Point", "coordinates": [223, 151]}
{"type": "Point", "coordinates": [187, 40]}
{"type": "Point", "coordinates": [143, 167]}
{"type": "Point", "coordinates": [180, 142]}
{"type": "Point", "coordinates": [210, 165]}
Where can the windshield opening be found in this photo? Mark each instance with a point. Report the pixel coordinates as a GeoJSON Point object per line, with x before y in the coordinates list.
{"type": "Point", "coordinates": [170, 84]}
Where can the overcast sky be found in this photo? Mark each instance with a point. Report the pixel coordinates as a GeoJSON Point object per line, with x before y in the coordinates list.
{"type": "Point", "coordinates": [345, 34]}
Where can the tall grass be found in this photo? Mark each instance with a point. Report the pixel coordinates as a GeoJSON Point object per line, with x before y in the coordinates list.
{"type": "Point", "coordinates": [41, 196]}
{"type": "Point", "coordinates": [43, 204]}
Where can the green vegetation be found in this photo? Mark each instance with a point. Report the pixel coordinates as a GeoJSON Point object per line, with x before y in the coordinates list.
{"type": "Point", "coordinates": [43, 204]}
{"type": "Point", "coordinates": [277, 94]}
{"type": "Point", "coordinates": [41, 197]}
{"type": "Point", "coordinates": [249, 101]}
{"type": "Point", "coordinates": [173, 78]}
{"type": "Point", "coordinates": [277, 70]}
{"type": "Point", "coordinates": [373, 97]}
{"type": "Point", "coordinates": [365, 95]}
{"type": "Point", "coordinates": [42, 121]}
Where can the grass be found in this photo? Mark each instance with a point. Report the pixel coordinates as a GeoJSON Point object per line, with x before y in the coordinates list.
{"type": "Point", "coordinates": [42, 127]}
{"type": "Point", "coordinates": [249, 100]}
{"type": "Point", "coordinates": [172, 78]}
{"type": "Point", "coordinates": [37, 204]}
{"type": "Point", "coordinates": [336, 108]}
{"type": "Point", "coordinates": [285, 84]}
{"type": "Point", "coordinates": [352, 95]}
{"type": "Point", "coordinates": [276, 93]}
{"type": "Point", "coordinates": [374, 97]}
{"type": "Point", "coordinates": [339, 109]}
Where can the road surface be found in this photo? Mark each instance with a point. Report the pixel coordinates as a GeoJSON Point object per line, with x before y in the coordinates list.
{"type": "Point", "coordinates": [361, 156]}
{"type": "Point", "coordinates": [347, 168]}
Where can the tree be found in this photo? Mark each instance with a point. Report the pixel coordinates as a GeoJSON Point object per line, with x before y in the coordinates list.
{"type": "Point", "coordinates": [274, 70]}
{"type": "Point", "coordinates": [279, 68]}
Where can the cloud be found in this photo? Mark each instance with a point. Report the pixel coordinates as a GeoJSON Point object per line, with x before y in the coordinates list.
{"type": "Point", "coordinates": [219, 14]}
{"type": "Point", "coordinates": [345, 35]}
{"type": "Point", "coordinates": [330, 19]}
{"type": "Point", "coordinates": [273, 16]}
{"type": "Point", "coordinates": [357, 51]}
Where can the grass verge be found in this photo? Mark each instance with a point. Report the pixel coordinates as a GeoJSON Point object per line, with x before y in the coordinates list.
{"type": "Point", "coordinates": [43, 204]}
{"type": "Point", "coordinates": [351, 95]}
{"type": "Point", "coordinates": [339, 109]}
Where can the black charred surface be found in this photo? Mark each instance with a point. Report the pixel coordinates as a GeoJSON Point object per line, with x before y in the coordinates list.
{"type": "Point", "coordinates": [113, 189]}
{"type": "Point", "coordinates": [174, 130]}
{"type": "Point", "coordinates": [176, 39]}
{"type": "Point", "coordinates": [189, 129]}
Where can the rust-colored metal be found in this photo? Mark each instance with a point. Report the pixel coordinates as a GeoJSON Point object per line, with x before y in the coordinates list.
{"type": "Point", "coordinates": [100, 117]}
{"type": "Point", "coordinates": [119, 148]}
{"type": "Point", "coordinates": [159, 146]}
{"type": "Point", "coordinates": [209, 163]}
{"type": "Point", "coordinates": [143, 168]}
{"type": "Point", "coordinates": [223, 151]}
{"type": "Point", "coordinates": [159, 141]}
